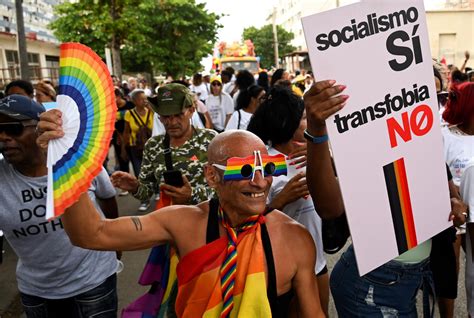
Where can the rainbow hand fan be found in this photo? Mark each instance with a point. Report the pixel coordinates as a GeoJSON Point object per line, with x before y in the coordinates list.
{"type": "Point", "coordinates": [87, 100]}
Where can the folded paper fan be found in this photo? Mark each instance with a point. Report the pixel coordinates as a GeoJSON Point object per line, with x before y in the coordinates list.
{"type": "Point", "coordinates": [87, 101]}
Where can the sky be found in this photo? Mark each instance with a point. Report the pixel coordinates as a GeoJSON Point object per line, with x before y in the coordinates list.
{"type": "Point", "coordinates": [245, 13]}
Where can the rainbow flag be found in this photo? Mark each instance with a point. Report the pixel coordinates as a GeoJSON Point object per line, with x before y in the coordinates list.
{"type": "Point", "coordinates": [400, 205]}
{"type": "Point", "coordinates": [199, 287]}
{"type": "Point", "coordinates": [160, 274]}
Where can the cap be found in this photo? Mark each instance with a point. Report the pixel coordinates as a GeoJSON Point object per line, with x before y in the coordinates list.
{"type": "Point", "coordinates": [299, 78]}
{"type": "Point", "coordinates": [20, 107]}
{"type": "Point", "coordinates": [216, 78]}
{"type": "Point", "coordinates": [171, 99]}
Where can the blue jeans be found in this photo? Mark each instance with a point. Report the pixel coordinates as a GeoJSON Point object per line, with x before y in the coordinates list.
{"type": "Point", "coordinates": [136, 159]}
{"type": "Point", "coordinates": [100, 301]}
{"type": "Point", "coordinates": [387, 291]}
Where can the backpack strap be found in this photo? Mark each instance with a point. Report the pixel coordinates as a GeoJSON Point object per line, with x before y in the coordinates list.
{"type": "Point", "coordinates": [147, 118]}
{"type": "Point", "coordinates": [212, 232]}
{"type": "Point", "coordinates": [137, 118]}
{"type": "Point", "coordinates": [167, 152]}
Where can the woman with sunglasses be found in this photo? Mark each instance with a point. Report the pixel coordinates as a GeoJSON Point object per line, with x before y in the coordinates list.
{"type": "Point", "coordinates": [280, 123]}
{"type": "Point", "coordinates": [219, 105]}
{"type": "Point", "coordinates": [247, 103]}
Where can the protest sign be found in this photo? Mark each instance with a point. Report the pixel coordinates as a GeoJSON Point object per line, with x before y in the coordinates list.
{"type": "Point", "coordinates": [386, 141]}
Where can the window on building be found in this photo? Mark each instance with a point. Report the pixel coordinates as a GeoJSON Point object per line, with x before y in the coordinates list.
{"type": "Point", "coordinates": [5, 18]}
{"type": "Point", "coordinates": [34, 65]}
{"type": "Point", "coordinates": [12, 64]}
{"type": "Point", "coordinates": [52, 67]}
{"type": "Point", "coordinates": [447, 47]}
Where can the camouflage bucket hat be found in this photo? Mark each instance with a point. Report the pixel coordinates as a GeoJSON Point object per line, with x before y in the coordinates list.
{"type": "Point", "coordinates": [171, 99]}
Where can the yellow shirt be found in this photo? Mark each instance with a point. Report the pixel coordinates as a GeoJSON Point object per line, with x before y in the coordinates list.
{"type": "Point", "coordinates": [134, 126]}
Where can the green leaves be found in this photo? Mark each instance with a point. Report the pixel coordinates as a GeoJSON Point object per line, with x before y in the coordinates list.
{"type": "Point", "coordinates": [263, 40]}
{"type": "Point", "coordinates": [167, 36]}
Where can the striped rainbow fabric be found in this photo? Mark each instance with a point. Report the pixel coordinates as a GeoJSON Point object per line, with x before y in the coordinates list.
{"type": "Point", "coordinates": [199, 283]}
{"type": "Point", "coordinates": [86, 93]}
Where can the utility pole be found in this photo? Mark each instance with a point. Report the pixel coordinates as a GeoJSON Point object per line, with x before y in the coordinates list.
{"type": "Point", "coordinates": [20, 35]}
{"type": "Point", "coordinates": [275, 38]}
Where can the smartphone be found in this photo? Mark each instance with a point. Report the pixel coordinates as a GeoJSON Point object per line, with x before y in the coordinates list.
{"type": "Point", "coordinates": [173, 178]}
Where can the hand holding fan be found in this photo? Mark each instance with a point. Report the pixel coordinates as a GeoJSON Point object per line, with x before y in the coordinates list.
{"type": "Point", "coordinates": [87, 101]}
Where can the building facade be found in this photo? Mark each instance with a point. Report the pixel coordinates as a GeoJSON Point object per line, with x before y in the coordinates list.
{"type": "Point", "coordinates": [450, 27]}
{"type": "Point", "coordinates": [42, 46]}
{"type": "Point", "coordinates": [451, 34]}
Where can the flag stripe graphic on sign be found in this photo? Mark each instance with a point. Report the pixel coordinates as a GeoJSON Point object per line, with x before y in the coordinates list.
{"type": "Point", "coordinates": [400, 205]}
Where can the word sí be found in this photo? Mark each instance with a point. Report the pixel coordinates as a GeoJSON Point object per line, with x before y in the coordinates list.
{"type": "Point", "coordinates": [405, 51]}
{"type": "Point", "coordinates": [373, 25]}
{"type": "Point", "coordinates": [381, 109]}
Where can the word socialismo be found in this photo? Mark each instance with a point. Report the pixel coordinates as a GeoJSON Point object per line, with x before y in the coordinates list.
{"type": "Point", "coordinates": [373, 25]}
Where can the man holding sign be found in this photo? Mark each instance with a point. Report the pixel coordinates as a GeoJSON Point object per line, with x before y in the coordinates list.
{"type": "Point", "coordinates": [389, 139]}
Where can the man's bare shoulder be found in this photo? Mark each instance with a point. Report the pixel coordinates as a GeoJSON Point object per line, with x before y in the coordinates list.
{"type": "Point", "coordinates": [282, 225]}
{"type": "Point", "coordinates": [278, 218]}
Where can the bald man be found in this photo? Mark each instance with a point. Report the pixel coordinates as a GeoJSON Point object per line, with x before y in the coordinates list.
{"type": "Point", "coordinates": [234, 255]}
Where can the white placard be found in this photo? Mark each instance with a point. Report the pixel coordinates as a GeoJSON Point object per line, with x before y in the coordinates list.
{"type": "Point", "coordinates": [388, 129]}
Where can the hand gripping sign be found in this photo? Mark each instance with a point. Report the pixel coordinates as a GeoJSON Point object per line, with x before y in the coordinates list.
{"type": "Point", "coordinates": [386, 142]}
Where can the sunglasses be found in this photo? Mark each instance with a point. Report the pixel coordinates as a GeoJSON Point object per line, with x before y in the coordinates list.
{"type": "Point", "coordinates": [244, 168]}
{"type": "Point", "coordinates": [15, 129]}
{"type": "Point", "coordinates": [216, 84]}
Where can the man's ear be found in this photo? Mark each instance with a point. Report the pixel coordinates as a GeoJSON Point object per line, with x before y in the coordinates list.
{"type": "Point", "coordinates": [212, 176]}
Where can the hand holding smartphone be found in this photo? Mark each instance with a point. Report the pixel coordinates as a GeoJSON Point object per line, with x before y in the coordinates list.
{"type": "Point", "coordinates": [173, 178]}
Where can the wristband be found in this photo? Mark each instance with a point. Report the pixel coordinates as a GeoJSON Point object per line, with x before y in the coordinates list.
{"type": "Point", "coordinates": [315, 140]}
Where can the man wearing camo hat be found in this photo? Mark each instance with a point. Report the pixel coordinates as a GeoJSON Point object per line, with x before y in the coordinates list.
{"type": "Point", "coordinates": [188, 152]}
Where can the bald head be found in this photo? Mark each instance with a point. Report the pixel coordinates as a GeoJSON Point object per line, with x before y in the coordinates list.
{"type": "Point", "coordinates": [234, 143]}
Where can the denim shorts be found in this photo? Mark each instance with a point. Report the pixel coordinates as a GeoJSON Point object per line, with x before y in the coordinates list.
{"type": "Point", "coordinates": [100, 301]}
{"type": "Point", "coordinates": [388, 291]}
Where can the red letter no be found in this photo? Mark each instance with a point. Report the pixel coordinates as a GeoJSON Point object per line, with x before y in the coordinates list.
{"type": "Point", "coordinates": [419, 125]}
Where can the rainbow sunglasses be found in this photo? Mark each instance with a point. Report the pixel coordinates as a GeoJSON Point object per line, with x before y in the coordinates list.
{"type": "Point", "coordinates": [244, 168]}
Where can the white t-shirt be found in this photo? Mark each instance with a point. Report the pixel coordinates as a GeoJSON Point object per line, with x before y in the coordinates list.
{"type": "Point", "coordinates": [228, 87]}
{"type": "Point", "coordinates": [301, 210]}
{"type": "Point", "coordinates": [234, 120]}
{"type": "Point", "coordinates": [49, 265]}
{"type": "Point", "coordinates": [219, 107]}
{"type": "Point", "coordinates": [201, 91]}
{"type": "Point", "coordinates": [467, 195]}
{"type": "Point", "coordinates": [458, 152]}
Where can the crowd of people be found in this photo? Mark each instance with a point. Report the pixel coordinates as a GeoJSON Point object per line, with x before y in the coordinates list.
{"type": "Point", "coordinates": [238, 170]}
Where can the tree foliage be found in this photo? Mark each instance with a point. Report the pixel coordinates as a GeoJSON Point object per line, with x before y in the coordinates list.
{"type": "Point", "coordinates": [263, 40]}
{"type": "Point", "coordinates": [82, 22]}
{"type": "Point", "coordinates": [170, 36]}
{"type": "Point", "coordinates": [177, 35]}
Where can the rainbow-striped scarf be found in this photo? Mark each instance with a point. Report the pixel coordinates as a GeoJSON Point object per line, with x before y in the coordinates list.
{"type": "Point", "coordinates": [200, 293]}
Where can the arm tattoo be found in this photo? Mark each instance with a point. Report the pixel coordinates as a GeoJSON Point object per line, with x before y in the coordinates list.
{"type": "Point", "coordinates": [137, 223]}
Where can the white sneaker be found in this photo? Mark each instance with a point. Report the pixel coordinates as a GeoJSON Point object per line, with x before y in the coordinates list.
{"type": "Point", "coordinates": [143, 206]}
{"type": "Point", "coordinates": [123, 193]}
